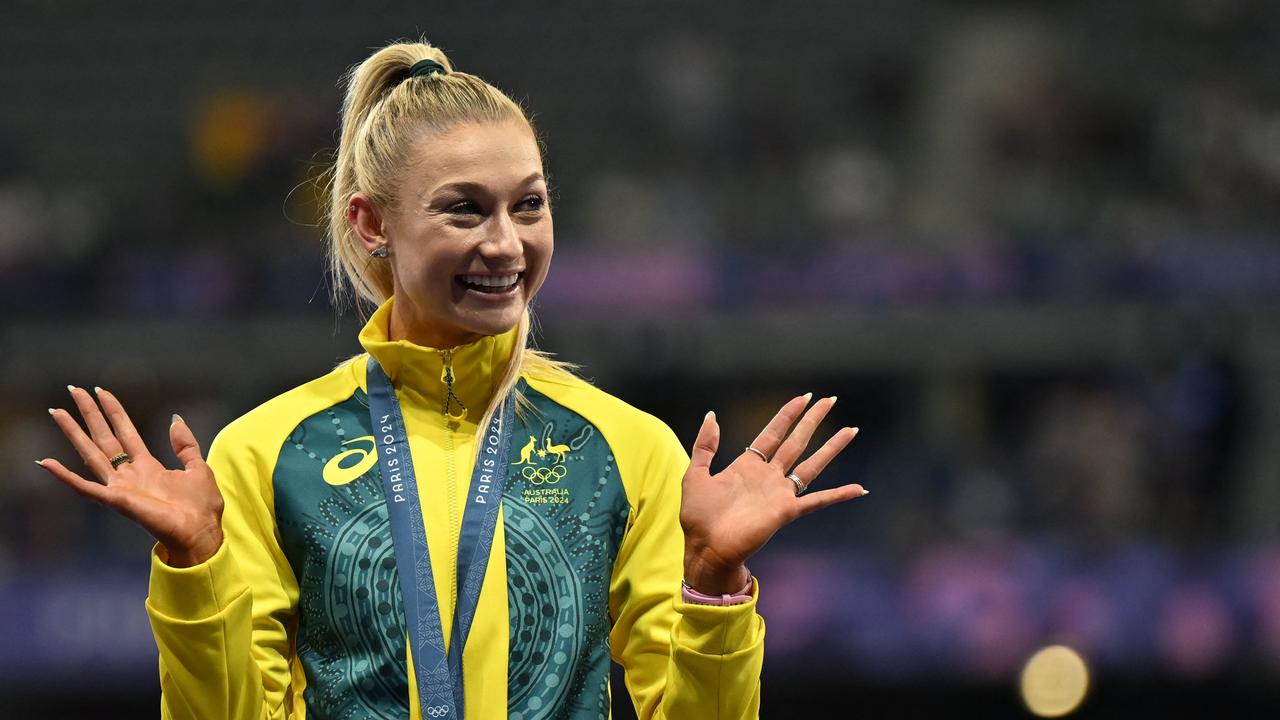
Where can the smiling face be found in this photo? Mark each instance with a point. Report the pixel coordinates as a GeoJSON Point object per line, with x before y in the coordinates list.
{"type": "Point", "coordinates": [470, 236]}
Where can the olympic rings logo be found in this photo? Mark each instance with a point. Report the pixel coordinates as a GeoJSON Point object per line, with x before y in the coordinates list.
{"type": "Point", "coordinates": [543, 475]}
{"type": "Point", "coordinates": [437, 710]}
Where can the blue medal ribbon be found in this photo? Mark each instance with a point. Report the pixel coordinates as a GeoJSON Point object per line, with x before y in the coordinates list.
{"type": "Point", "coordinates": [439, 674]}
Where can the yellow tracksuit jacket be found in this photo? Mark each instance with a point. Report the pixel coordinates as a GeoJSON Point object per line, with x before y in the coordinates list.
{"type": "Point", "coordinates": [299, 613]}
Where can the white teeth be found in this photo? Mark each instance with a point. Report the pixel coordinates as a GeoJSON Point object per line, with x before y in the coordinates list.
{"type": "Point", "coordinates": [490, 280]}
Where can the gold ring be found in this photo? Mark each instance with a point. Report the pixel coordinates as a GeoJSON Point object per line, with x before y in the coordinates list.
{"type": "Point", "coordinates": [120, 459]}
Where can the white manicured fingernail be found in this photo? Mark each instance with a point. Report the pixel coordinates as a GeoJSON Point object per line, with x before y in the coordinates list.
{"type": "Point", "coordinates": [52, 411]}
{"type": "Point", "coordinates": [808, 396]}
{"type": "Point", "coordinates": [833, 399]}
{"type": "Point", "coordinates": [865, 492]}
{"type": "Point", "coordinates": [39, 462]}
{"type": "Point", "coordinates": [96, 389]}
{"type": "Point", "coordinates": [176, 419]}
{"type": "Point", "coordinates": [711, 415]}
{"type": "Point", "coordinates": [71, 388]}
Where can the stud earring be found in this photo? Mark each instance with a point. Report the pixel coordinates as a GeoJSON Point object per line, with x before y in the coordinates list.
{"type": "Point", "coordinates": [379, 252]}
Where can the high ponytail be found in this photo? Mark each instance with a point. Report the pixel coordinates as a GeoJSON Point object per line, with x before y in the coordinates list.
{"type": "Point", "coordinates": [369, 162]}
{"type": "Point", "coordinates": [383, 111]}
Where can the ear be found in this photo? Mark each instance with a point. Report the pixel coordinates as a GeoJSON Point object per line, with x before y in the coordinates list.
{"type": "Point", "coordinates": [366, 222]}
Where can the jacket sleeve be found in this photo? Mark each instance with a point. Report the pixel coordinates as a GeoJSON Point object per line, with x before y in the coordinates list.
{"type": "Point", "coordinates": [681, 660]}
{"type": "Point", "coordinates": [223, 627]}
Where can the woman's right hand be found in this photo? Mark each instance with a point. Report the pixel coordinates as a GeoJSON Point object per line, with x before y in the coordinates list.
{"type": "Point", "coordinates": [181, 508]}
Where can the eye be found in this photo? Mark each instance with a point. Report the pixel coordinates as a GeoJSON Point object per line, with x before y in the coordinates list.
{"type": "Point", "coordinates": [533, 203]}
{"type": "Point", "coordinates": [466, 207]}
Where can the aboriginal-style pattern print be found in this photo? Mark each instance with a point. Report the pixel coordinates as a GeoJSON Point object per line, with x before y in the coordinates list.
{"type": "Point", "coordinates": [335, 532]}
{"type": "Point", "coordinates": [564, 515]}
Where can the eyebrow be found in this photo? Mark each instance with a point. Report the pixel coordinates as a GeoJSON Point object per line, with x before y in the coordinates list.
{"type": "Point", "coordinates": [465, 185]}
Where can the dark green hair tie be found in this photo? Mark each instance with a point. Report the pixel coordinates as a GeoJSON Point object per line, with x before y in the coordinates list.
{"type": "Point", "coordinates": [426, 68]}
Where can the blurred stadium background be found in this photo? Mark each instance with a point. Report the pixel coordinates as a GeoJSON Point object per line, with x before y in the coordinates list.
{"type": "Point", "coordinates": [1033, 247]}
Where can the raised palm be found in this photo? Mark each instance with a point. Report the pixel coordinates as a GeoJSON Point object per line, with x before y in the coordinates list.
{"type": "Point", "coordinates": [181, 508]}
{"type": "Point", "coordinates": [729, 516]}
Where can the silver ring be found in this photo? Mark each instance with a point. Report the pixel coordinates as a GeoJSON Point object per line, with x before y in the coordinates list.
{"type": "Point", "coordinates": [800, 487]}
{"type": "Point", "coordinates": [753, 450]}
{"type": "Point", "coordinates": [119, 460]}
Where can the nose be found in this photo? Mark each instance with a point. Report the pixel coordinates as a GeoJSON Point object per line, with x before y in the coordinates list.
{"type": "Point", "coordinates": [502, 239]}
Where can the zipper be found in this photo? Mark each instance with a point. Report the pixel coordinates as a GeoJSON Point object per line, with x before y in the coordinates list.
{"type": "Point", "coordinates": [446, 376]}
{"type": "Point", "coordinates": [451, 471]}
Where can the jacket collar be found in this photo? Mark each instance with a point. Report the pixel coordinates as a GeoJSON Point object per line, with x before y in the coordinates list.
{"type": "Point", "coordinates": [419, 370]}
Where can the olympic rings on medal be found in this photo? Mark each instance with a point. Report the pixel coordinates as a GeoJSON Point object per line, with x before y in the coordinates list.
{"type": "Point", "coordinates": [543, 475]}
{"type": "Point", "coordinates": [437, 711]}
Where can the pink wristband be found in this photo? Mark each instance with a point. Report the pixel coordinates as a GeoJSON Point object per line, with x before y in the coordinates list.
{"type": "Point", "coordinates": [690, 595]}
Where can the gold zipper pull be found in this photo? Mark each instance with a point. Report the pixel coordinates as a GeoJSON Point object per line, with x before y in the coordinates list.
{"type": "Point", "coordinates": [446, 376]}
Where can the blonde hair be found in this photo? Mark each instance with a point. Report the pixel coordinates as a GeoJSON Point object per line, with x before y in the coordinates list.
{"type": "Point", "coordinates": [384, 111]}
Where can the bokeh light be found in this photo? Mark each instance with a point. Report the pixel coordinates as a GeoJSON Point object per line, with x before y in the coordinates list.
{"type": "Point", "coordinates": [1054, 681]}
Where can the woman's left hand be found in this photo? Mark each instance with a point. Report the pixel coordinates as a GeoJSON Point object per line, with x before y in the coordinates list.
{"type": "Point", "coordinates": [729, 516]}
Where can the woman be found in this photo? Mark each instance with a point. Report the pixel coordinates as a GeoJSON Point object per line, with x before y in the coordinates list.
{"type": "Point", "coordinates": [343, 551]}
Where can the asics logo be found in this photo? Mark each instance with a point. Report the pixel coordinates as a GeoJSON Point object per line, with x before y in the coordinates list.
{"type": "Point", "coordinates": [351, 464]}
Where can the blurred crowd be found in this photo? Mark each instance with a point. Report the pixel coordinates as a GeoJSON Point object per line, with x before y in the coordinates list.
{"type": "Point", "coordinates": [1042, 151]}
